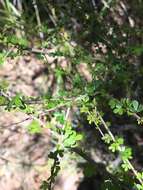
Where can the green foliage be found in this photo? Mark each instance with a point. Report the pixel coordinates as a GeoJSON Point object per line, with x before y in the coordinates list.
{"type": "Point", "coordinates": [56, 155]}
{"type": "Point", "coordinates": [70, 137]}
{"type": "Point", "coordinates": [60, 117]}
{"type": "Point", "coordinates": [107, 138]}
{"type": "Point", "coordinates": [137, 50]}
{"type": "Point", "coordinates": [4, 85]}
{"type": "Point", "coordinates": [140, 175]}
{"type": "Point", "coordinates": [126, 166]}
{"type": "Point", "coordinates": [139, 186]}
{"type": "Point", "coordinates": [2, 58]}
{"type": "Point", "coordinates": [126, 153]}
{"type": "Point", "coordinates": [116, 146]}
{"type": "Point", "coordinates": [34, 127]}
{"type": "Point", "coordinates": [125, 106]}
{"type": "Point", "coordinates": [16, 102]}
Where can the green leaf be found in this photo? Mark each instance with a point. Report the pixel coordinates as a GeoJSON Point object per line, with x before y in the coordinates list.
{"type": "Point", "coordinates": [113, 147]}
{"type": "Point", "coordinates": [112, 103]}
{"type": "Point", "coordinates": [71, 138]}
{"type": "Point", "coordinates": [139, 186]}
{"type": "Point", "coordinates": [18, 102]}
{"type": "Point", "coordinates": [116, 145]}
{"type": "Point", "coordinates": [126, 153]}
{"type": "Point", "coordinates": [60, 117]}
{"type": "Point", "coordinates": [3, 100]}
{"type": "Point", "coordinates": [107, 138]}
{"type": "Point", "coordinates": [119, 141]}
{"type": "Point", "coordinates": [140, 108]}
{"type": "Point", "coordinates": [4, 85]}
{"type": "Point", "coordinates": [125, 166]}
{"type": "Point", "coordinates": [91, 117]}
{"type": "Point", "coordinates": [118, 110]}
{"type": "Point", "coordinates": [2, 58]}
{"type": "Point", "coordinates": [137, 50]}
{"type": "Point", "coordinates": [79, 137]}
{"type": "Point", "coordinates": [135, 105]}
{"type": "Point", "coordinates": [70, 142]}
{"type": "Point", "coordinates": [34, 127]}
{"type": "Point", "coordinates": [140, 175]}
{"type": "Point", "coordinates": [84, 109]}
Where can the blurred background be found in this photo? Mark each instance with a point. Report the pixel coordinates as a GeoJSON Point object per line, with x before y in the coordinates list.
{"type": "Point", "coordinates": [61, 48]}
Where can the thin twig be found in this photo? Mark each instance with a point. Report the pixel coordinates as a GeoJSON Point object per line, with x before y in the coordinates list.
{"type": "Point", "coordinates": [136, 116]}
{"type": "Point", "coordinates": [17, 123]}
{"type": "Point", "coordinates": [113, 138]}
{"type": "Point", "coordinates": [67, 113]}
{"type": "Point", "coordinates": [106, 127]}
{"type": "Point", "coordinates": [38, 19]}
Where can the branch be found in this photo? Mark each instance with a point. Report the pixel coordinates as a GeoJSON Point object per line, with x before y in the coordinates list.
{"type": "Point", "coordinates": [113, 138]}
{"type": "Point", "coordinates": [38, 19]}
